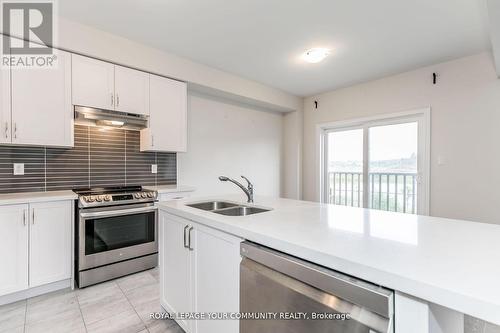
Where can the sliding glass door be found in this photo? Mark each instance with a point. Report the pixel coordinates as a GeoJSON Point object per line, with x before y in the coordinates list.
{"type": "Point", "coordinates": [344, 165]}
{"type": "Point", "coordinates": [378, 164]}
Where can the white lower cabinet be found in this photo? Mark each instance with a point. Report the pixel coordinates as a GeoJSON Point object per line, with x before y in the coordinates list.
{"type": "Point", "coordinates": [413, 315]}
{"type": "Point", "coordinates": [35, 242]}
{"type": "Point", "coordinates": [50, 242]}
{"type": "Point", "coordinates": [216, 282]}
{"type": "Point", "coordinates": [199, 273]}
{"type": "Point", "coordinates": [175, 266]}
{"type": "Point", "coordinates": [13, 248]}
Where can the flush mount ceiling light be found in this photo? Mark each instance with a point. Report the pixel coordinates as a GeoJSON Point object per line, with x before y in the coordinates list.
{"type": "Point", "coordinates": [315, 55]}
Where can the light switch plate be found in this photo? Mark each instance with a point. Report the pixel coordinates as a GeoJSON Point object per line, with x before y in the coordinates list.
{"type": "Point", "coordinates": [18, 169]}
{"type": "Point", "coordinates": [154, 168]}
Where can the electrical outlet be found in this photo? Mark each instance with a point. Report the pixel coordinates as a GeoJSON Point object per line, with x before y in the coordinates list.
{"type": "Point", "coordinates": [154, 168]}
{"type": "Point", "coordinates": [18, 169]}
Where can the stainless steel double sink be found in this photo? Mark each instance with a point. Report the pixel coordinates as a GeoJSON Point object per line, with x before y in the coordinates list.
{"type": "Point", "coordinates": [228, 208]}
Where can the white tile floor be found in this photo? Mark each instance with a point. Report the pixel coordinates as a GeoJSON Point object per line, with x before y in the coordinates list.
{"type": "Point", "coordinates": [123, 305]}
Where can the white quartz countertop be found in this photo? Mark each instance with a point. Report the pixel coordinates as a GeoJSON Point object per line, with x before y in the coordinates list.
{"type": "Point", "coordinates": [170, 188]}
{"type": "Point", "coordinates": [19, 198]}
{"type": "Point", "coordinates": [452, 263]}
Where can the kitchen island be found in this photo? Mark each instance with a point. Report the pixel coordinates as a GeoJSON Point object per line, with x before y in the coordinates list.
{"type": "Point", "coordinates": [451, 263]}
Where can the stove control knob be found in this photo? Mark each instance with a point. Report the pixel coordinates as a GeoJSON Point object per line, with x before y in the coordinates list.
{"type": "Point", "coordinates": [98, 198]}
{"type": "Point", "coordinates": [150, 194]}
{"type": "Point", "coordinates": [137, 195]}
{"type": "Point", "coordinates": [144, 195]}
{"type": "Point", "coordinates": [91, 198]}
{"type": "Point", "coordinates": [107, 198]}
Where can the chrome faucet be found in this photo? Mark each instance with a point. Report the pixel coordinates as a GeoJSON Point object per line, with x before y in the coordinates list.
{"type": "Point", "coordinates": [248, 190]}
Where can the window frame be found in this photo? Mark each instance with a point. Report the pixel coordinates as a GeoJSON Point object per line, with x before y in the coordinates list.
{"type": "Point", "coordinates": [421, 116]}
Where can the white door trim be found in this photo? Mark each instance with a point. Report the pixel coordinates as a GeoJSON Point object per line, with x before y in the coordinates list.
{"type": "Point", "coordinates": [423, 115]}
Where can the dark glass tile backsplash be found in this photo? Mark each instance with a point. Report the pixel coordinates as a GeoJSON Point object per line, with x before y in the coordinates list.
{"type": "Point", "coordinates": [34, 169]}
{"type": "Point", "coordinates": [100, 157]}
{"type": "Point", "coordinates": [69, 168]}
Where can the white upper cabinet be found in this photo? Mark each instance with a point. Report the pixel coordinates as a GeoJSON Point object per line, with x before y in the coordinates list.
{"type": "Point", "coordinates": [13, 248]}
{"type": "Point", "coordinates": [131, 91]}
{"type": "Point", "coordinates": [36, 105]}
{"type": "Point", "coordinates": [42, 113]}
{"type": "Point", "coordinates": [93, 83]}
{"type": "Point", "coordinates": [50, 242]}
{"type": "Point", "coordinates": [103, 85]}
{"type": "Point", "coordinates": [5, 114]}
{"type": "Point", "coordinates": [167, 129]}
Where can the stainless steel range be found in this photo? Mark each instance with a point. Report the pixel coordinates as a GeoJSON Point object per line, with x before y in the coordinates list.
{"type": "Point", "coordinates": [116, 233]}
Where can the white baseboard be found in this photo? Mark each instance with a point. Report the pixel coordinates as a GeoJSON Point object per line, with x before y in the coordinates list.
{"type": "Point", "coordinates": [36, 291]}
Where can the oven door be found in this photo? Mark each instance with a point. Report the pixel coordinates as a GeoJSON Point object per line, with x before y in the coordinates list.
{"type": "Point", "coordinates": [112, 234]}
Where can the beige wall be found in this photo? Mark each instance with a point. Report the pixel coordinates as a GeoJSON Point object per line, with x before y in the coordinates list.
{"type": "Point", "coordinates": [291, 177]}
{"type": "Point", "coordinates": [465, 130]}
{"type": "Point", "coordinates": [231, 139]}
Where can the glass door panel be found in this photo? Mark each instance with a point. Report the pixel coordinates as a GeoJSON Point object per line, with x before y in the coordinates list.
{"type": "Point", "coordinates": [110, 233]}
{"type": "Point", "coordinates": [344, 165]}
{"type": "Point", "coordinates": [393, 168]}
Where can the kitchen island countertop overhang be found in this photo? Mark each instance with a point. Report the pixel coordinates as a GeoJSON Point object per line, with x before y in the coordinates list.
{"type": "Point", "coordinates": [452, 263]}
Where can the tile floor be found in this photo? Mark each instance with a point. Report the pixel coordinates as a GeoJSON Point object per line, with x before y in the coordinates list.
{"type": "Point", "coordinates": [123, 305]}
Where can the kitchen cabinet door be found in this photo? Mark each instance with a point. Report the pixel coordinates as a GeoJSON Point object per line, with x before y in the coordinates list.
{"type": "Point", "coordinates": [13, 248]}
{"type": "Point", "coordinates": [5, 112]}
{"type": "Point", "coordinates": [216, 282]}
{"type": "Point", "coordinates": [167, 130]}
{"type": "Point", "coordinates": [131, 91]}
{"type": "Point", "coordinates": [175, 266]}
{"type": "Point", "coordinates": [50, 242]}
{"type": "Point", "coordinates": [93, 83]}
{"type": "Point", "coordinates": [42, 113]}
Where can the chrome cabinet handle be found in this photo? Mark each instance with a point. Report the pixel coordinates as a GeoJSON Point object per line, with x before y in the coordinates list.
{"type": "Point", "coordinates": [112, 99]}
{"type": "Point", "coordinates": [15, 130]}
{"type": "Point", "coordinates": [117, 100]}
{"type": "Point", "coordinates": [24, 217]}
{"type": "Point", "coordinates": [152, 140]}
{"type": "Point", "coordinates": [189, 239]}
{"type": "Point", "coordinates": [185, 241]}
{"type": "Point", "coordinates": [33, 216]}
{"type": "Point", "coordinates": [6, 130]}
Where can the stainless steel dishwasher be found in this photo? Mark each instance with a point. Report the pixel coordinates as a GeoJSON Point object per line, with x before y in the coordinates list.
{"type": "Point", "coordinates": [276, 285]}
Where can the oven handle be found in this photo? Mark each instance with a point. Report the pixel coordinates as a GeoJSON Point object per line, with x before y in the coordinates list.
{"type": "Point", "coordinates": [118, 212]}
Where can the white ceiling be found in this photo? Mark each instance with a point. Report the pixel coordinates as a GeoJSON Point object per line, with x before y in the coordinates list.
{"type": "Point", "coordinates": [263, 39]}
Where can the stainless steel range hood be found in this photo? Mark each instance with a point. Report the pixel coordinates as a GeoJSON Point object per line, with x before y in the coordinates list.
{"type": "Point", "coordinates": [108, 118]}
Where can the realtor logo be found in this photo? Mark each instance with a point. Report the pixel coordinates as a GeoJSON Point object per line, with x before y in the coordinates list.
{"type": "Point", "coordinates": [32, 23]}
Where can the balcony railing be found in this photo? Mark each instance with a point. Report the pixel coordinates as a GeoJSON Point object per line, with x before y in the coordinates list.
{"type": "Point", "coordinates": [396, 192]}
